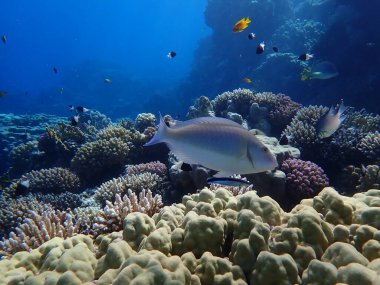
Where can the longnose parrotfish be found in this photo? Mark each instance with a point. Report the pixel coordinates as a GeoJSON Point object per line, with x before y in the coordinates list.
{"type": "Point", "coordinates": [216, 143]}
{"type": "Point", "coordinates": [330, 122]}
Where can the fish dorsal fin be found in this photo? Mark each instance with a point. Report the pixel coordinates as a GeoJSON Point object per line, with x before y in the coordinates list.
{"type": "Point", "coordinates": [342, 109]}
{"type": "Point", "coordinates": [205, 120]}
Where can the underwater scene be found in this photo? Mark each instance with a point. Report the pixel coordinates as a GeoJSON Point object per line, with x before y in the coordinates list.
{"type": "Point", "coordinates": [197, 142]}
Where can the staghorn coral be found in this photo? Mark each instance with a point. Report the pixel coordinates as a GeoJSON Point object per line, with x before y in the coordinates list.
{"type": "Point", "coordinates": [370, 179]}
{"type": "Point", "coordinates": [13, 211]}
{"type": "Point", "coordinates": [304, 179]}
{"type": "Point", "coordinates": [155, 167]}
{"type": "Point", "coordinates": [145, 120]}
{"type": "Point", "coordinates": [53, 180]}
{"type": "Point", "coordinates": [92, 158]}
{"type": "Point", "coordinates": [60, 201]}
{"type": "Point", "coordinates": [38, 228]}
{"type": "Point", "coordinates": [112, 216]}
{"type": "Point", "coordinates": [108, 190]}
{"type": "Point", "coordinates": [236, 101]}
{"type": "Point", "coordinates": [370, 146]}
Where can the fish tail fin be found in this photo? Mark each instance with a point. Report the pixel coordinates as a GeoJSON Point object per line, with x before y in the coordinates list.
{"type": "Point", "coordinates": [342, 109]}
{"type": "Point", "coordinates": [248, 20]}
{"type": "Point", "coordinates": [160, 134]}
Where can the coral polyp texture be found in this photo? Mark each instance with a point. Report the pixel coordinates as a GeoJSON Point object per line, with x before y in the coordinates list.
{"type": "Point", "coordinates": [52, 180]}
{"type": "Point", "coordinates": [214, 237]}
{"type": "Point", "coordinates": [93, 158]}
{"type": "Point", "coordinates": [304, 179]}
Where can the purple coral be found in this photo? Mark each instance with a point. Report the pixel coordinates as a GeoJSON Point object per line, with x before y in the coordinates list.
{"type": "Point", "coordinates": [304, 179]}
{"type": "Point", "coordinates": [283, 111]}
{"type": "Point", "coordinates": [155, 167]}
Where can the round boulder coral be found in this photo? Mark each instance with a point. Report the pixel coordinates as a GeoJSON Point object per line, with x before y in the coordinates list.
{"type": "Point", "coordinates": [304, 179]}
{"type": "Point", "coordinates": [93, 158]}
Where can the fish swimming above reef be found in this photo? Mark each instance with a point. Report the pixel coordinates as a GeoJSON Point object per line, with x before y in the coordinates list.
{"type": "Point", "coordinates": [228, 181]}
{"type": "Point", "coordinates": [241, 25]}
{"type": "Point", "coordinates": [55, 70]}
{"type": "Point", "coordinates": [275, 49]}
{"type": "Point", "coordinates": [305, 56]}
{"type": "Point", "coordinates": [3, 94]}
{"type": "Point", "coordinates": [75, 120]}
{"type": "Point", "coordinates": [322, 70]}
{"type": "Point", "coordinates": [4, 39]}
{"type": "Point", "coordinates": [107, 80]}
{"type": "Point", "coordinates": [330, 122]}
{"type": "Point", "coordinates": [247, 80]}
{"type": "Point", "coordinates": [81, 109]}
{"type": "Point", "coordinates": [216, 143]}
{"type": "Point", "coordinates": [172, 54]}
{"type": "Point", "coordinates": [260, 48]}
{"type": "Point", "coordinates": [251, 36]}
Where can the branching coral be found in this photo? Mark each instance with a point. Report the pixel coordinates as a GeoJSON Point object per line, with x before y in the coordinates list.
{"type": "Point", "coordinates": [38, 228]}
{"type": "Point", "coordinates": [202, 108]}
{"type": "Point", "coordinates": [153, 167]}
{"type": "Point", "coordinates": [114, 132]}
{"type": "Point", "coordinates": [112, 216]}
{"type": "Point", "coordinates": [68, 132]}
{"type": "Point", "coordinates": [370, 179]}
{"type": "Point", "coordinates": [13, 211]}
{"type": "Point", "coordinates": [54, 180]}
{"type": "Point", "coordinates": [94, 157]}
{"type": "Point", "coordinates": [108, 190]}
{"type": "Point", "coordinates": [281, 109]}
{"type": "Point", "coordinates": [237, 101]}
{"type": "Point", "coordinates": [21, 157]}
{"type": "Point", "coordinates": [145, 120]}
{"type": "Point", "coordinates": [304, 179]}
{"type": "Point", "coordinates": [370, 146]}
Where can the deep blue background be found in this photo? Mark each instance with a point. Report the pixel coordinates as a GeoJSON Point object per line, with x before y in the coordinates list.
{"type": "Point", "coordinates": [87, 41]}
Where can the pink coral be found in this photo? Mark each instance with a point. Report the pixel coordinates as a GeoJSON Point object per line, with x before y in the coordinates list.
{"type": "Point", "coordinates": [304, 179]}
{"type": "Point", "coordinates": [155, 167]}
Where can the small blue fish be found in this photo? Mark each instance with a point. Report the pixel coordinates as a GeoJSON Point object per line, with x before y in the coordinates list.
{"type": "Point", "coordinates": [228, 181]}
{"type": "Point", "coordinates": [330, 122]}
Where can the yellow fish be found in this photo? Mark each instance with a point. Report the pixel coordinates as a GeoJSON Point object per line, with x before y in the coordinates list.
{"type": "Point", "coordinates": [241, 25]}
{"type": "Point", "coordinates": [247, 80]}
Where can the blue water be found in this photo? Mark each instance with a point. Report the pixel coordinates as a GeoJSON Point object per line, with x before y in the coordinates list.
{"type": "Point", "coordinates": [88, 41]}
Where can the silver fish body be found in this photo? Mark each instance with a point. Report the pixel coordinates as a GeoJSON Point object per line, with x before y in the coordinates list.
{"type": "Point", "coordinates": [216, 143]}
{"type": "Point", "coordinates": [331, 121]}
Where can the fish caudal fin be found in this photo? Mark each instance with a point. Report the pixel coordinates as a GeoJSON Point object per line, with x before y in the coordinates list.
{"type": "Point", "coordinates": [160, 134]}
{"type": "Point", "coordinates": [342, 109]}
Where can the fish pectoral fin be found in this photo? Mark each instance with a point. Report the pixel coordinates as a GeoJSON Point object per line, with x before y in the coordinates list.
{"type": "Point", "coordinates": [181, 156]}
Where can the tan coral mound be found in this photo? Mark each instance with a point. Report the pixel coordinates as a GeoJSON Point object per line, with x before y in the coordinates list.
{"type": "Point", "coordinates": [213, 237]}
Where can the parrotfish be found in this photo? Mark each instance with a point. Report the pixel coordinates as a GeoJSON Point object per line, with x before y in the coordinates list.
{"type": "Point", "coordinates": [216, 143]}
{"type": "Point", "coordinates": [330, 122]}
{"type": "Point", "coordinates": [322, 70]}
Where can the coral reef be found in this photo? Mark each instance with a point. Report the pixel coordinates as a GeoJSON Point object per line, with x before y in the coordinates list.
{"type": "Point", "coordinates": [111, 218]}
{"type": "Point", "coordinates": [213, 237]}
{"type": "Point", "coordinates": [304, 179]}
{"type": "Point", "coordinates": [93, 158]}
{"type": "Point", "coordinates": [37, 228]}
{"type": "Point", "coordinates": [370, 146]}
{"type": "Point", "coordinates": [155, 167]}
{"type": "Point", "coordinates": [145, 120]}
{"type": "Point", "coordinates": [21, 158]}
{"type": "Point", "coordinates": [202, 108]}
{"type": "Point", "coordinates": [370, 179]}
{"type": "Point", "coordinates": [237, 101]}
{"type": "Point", "coordinates": [52, 180]}
{"type": "Point", "coordinates": [135, 182]}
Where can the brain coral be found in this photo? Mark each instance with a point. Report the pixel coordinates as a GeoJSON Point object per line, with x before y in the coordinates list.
{"type": "Point", "coordinates": [93, 158]}
{"type": "Point", "coordinates": [304, 179]}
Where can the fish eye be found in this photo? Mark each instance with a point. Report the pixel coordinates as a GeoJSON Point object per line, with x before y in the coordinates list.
{"type": "Point", "coordinates": [265, 149]}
